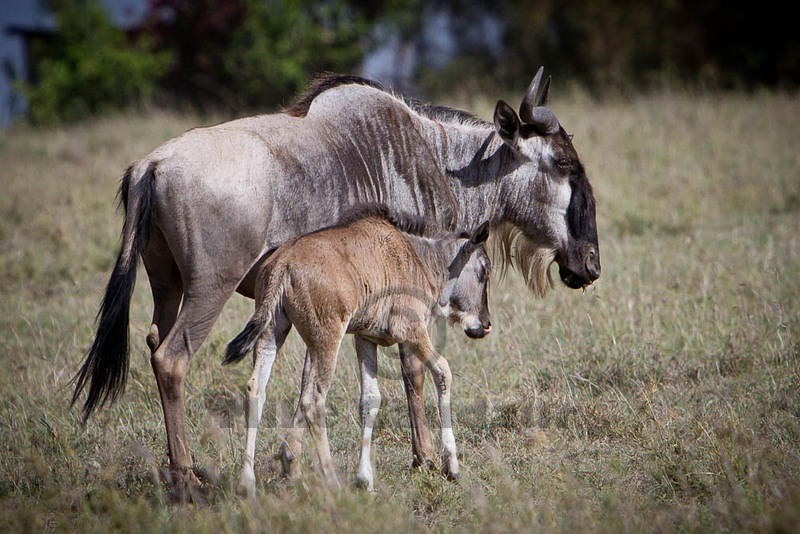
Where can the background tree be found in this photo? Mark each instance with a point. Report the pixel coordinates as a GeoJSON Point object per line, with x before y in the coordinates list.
{"type": "Point", "coordinates": [253, 53]}
{"type": "Point", "coordinates": [88, 66]}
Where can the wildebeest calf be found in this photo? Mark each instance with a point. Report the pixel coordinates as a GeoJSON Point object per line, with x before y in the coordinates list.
{"type": "Point", "coordinates": [374, 278]}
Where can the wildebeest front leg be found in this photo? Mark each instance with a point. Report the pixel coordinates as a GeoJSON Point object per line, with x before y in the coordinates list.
{"type": "Point", "coordinates": [367, 354]}
{"type": "Point", "coordinates": [414, 382]}
{"type": "Point", "coordinates": [266, 349]}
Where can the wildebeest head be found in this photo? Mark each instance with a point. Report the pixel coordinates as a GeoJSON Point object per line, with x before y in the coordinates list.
{"type": "Point", "coordinates": [556, 213]}
{"type": "Point", "coordinates": [465, 298]}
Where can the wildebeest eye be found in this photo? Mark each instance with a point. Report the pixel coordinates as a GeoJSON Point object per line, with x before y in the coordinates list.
{"type": "Point", "coordinates": [563, 163]}
{"type": "Point", "coordinates": [483, 274]}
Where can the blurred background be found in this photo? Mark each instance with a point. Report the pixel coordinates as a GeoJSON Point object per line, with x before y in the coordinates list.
{"type": "Point", "coordinates": [63, 60]}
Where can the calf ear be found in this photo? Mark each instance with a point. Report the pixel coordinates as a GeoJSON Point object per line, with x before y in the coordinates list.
{"type": "Point", "coordinates": [506, 122]}
{"type": "Point", "coordinates": [480, 235]}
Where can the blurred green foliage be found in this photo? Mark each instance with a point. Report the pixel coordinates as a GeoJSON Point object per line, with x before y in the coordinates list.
{"type": "Point", "coordinates": [280, 44]}
{"type": "Point", "coordinates": [88, 66]}
{"type": "Point", "coordinates": [245, 55]}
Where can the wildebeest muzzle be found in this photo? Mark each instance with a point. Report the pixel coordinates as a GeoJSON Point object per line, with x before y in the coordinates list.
{"type": "Point", "coordinates": [581, 266]}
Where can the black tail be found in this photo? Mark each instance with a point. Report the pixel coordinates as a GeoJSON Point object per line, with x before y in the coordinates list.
{"type": "Point", "coordinates": [106, 364]}
{"type": "Point", "coordinates": [244, 342]}
{"type": "Point", "coordinates": [262, 316]}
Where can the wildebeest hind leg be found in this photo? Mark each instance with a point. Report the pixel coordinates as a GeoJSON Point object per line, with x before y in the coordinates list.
{"type": "Point", "coordinates": [414, 382]}
{"type": "Point", "coordinates": [170, 363]}
{"type": "Point", "coordinates": [166, 286]}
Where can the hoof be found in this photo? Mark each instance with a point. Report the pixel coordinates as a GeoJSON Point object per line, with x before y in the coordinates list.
{"type": "Point", "coordinates": [450, 469]}
{"type": "Point", "coordinates": [452, 477]}
{"type": "Point", "coordinates": [185, 487]}
{"type": "Point", "coordinates": [246, 491]}
{"type": "Point", "coordinates": [362, 483]}
{"type": "Point", "coordinates": [247, 486]}
{"type": "Point", "coordinates": [424, 464]}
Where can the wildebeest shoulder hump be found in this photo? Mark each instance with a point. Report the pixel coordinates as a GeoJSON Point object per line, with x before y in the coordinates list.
{"type": "Point", "coordinates": [322, 83]}
{"type": "Point", "coordinates": [327, 81]}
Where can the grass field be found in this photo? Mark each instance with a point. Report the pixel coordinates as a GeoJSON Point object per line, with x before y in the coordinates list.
{"type": "Point", "coordinates": [666, 397]}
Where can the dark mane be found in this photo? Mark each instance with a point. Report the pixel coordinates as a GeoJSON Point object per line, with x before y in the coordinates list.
{"type": "Point", "coordinates": [403, 221]}
{"type": "Point", "coordinates": [328, 80]}
{"type": "Point", "coordinates": [322, 83]}
{"type": "Point", "coordinates": [443, 113]}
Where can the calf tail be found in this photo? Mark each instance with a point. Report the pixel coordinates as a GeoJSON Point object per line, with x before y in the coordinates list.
{"type": "Point", "coordinates": [105, 368]}
{"type": "Point", "coordinates": [246, 340]}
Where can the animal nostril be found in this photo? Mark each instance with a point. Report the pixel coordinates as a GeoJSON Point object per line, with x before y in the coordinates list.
{"type": "Point", "coordinates": [593, 264]}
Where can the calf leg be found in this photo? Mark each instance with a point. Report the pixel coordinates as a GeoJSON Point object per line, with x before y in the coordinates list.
{"type": "Point", "coordinates": [314, 395]}
{"type": "Point", "coordinates": [370, 404]}
{"type": "Point", "coordinates": [414, 382]}
{"type": "Point", "coordinates": [292, 445]}
{"type": "Point", "coordinates": [267, 347]}
{"type": "Point", "coordinates": [442, 376]}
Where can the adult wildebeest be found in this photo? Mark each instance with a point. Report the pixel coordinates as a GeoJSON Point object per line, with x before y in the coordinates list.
{"type": "Point", "coordinates": [373, 277]}
{"type": "Point", "coordinates": [207, 207]}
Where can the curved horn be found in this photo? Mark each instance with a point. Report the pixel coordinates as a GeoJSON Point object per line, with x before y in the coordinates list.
{"type": "Point", "coordinates": [529, 102]}
{"type": "Point", "coordinates": [543, 120]}
{"type": "Point", "coordinates": [545, 92]}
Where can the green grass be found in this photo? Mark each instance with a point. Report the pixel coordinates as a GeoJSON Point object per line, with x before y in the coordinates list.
{"type": "Point", "coordinates": [667, 397]}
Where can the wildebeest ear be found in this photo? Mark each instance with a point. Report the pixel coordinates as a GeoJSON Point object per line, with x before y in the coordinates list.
{"type": "Point", "coordinates": [480, 235]}
{"type": "Point", "coordinates": [506, 122]}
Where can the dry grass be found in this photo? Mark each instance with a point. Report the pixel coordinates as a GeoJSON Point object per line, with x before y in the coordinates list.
{"type": "Point", "coordinates": [665, 398]}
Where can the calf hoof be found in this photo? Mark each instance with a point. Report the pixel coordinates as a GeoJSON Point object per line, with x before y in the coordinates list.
{"type": "Point", "coordinates": [247, 485]}
{"type": "Point", "coordinates": [423, 464]}
{"type": "Point", "coordinates": [452, 477]}
{"type": "Point", "coordinates": [450, 469]}
{"type": "Point", "coordinates": [363, 483]}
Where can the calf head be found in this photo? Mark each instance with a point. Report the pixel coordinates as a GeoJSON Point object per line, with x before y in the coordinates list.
{"type": "Point", "coordinates": [464, 299]}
